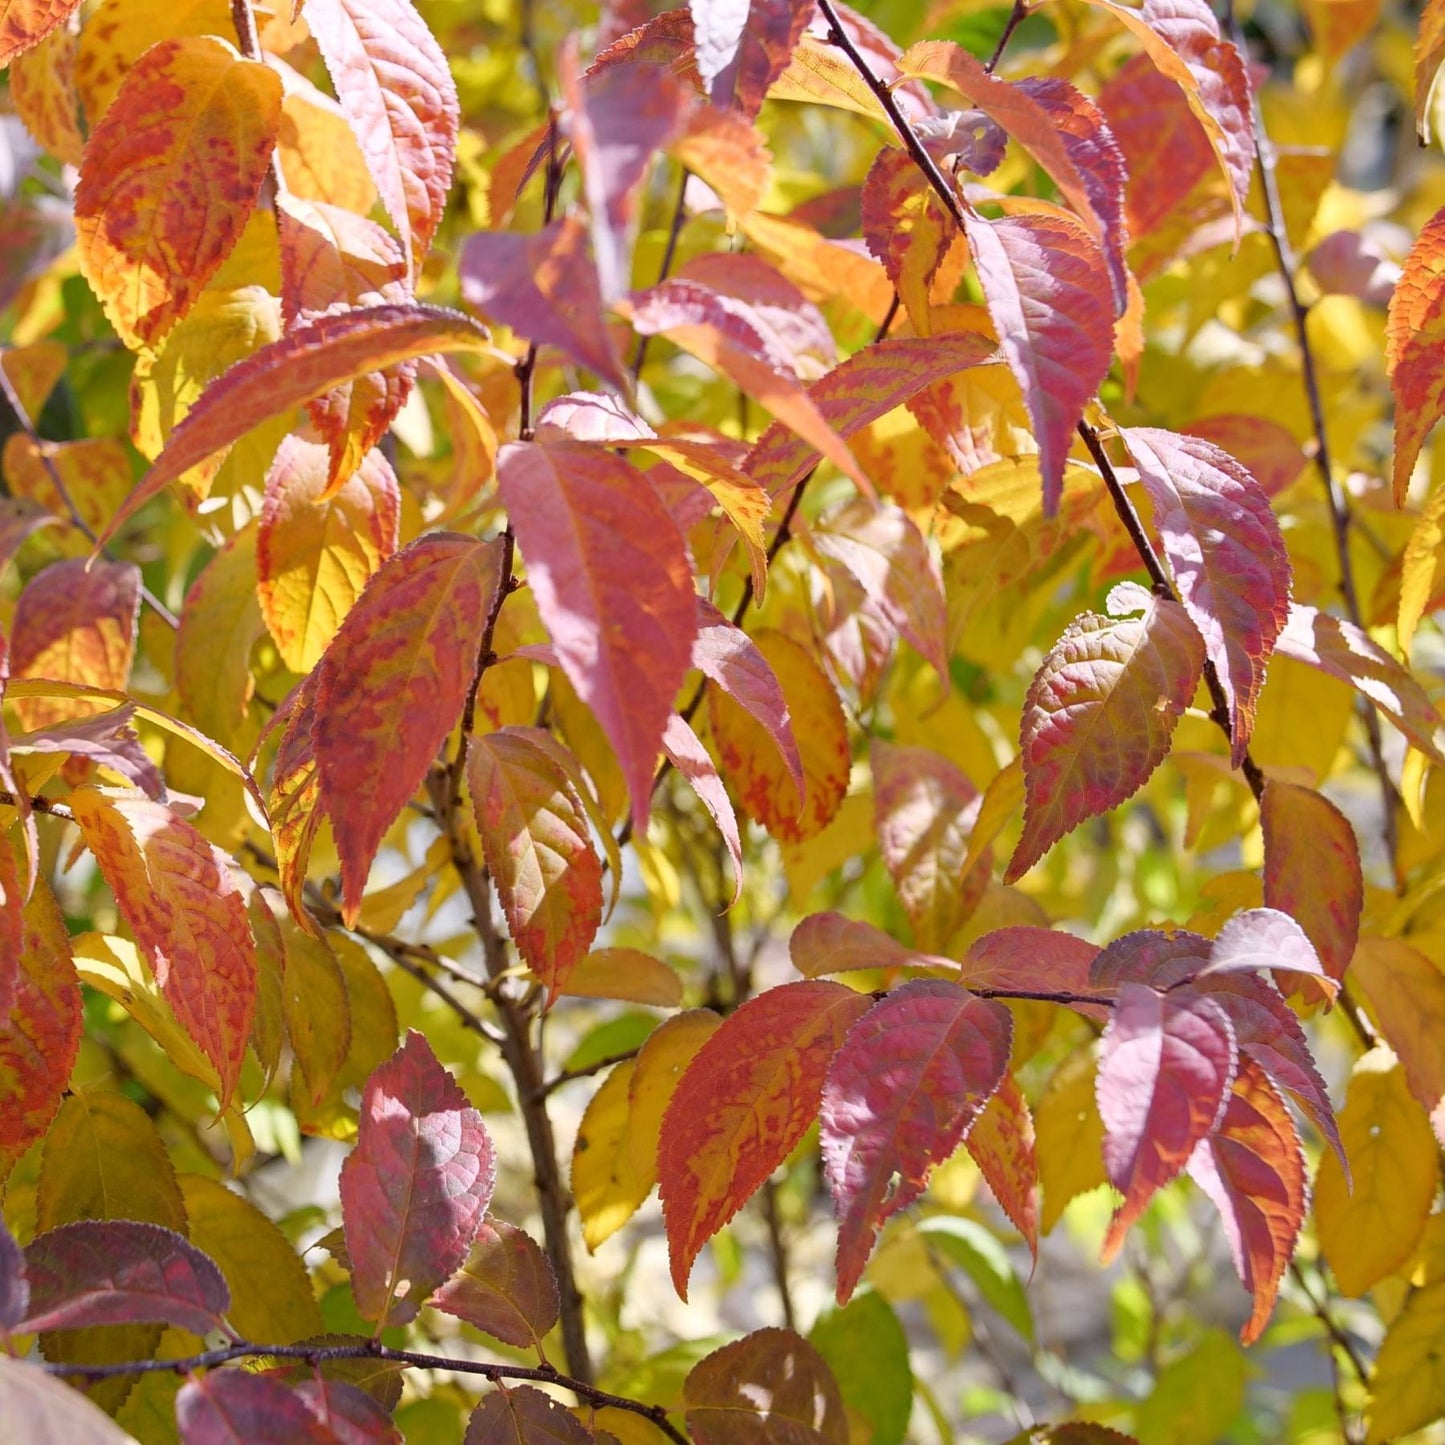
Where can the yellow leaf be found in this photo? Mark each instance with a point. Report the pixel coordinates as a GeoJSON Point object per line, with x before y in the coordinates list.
{"type": "Point", "coordinates": [607, 1189]}
{"type": "Point", "coordinates": [318, 151]}
{"type": "Point", "coordinates": [1371, 1232]}
{"type": "Point", "coordinates": [1407, 1388]}
{"type": "Point", "coordinates": [318, 1014]}
{"type": "Point", "coordinates": [667, 1052]}
{"type": "Point", "coordinates": [627, 974]}
{"type": "Point", "coordinates": [1069, 1136]}
{"type": "Point", "coordinates": [96, 475]}
{"type": "Point", "coordinates": [1422, 569]}
{"type": "Point", "coordinates": [42, 88]}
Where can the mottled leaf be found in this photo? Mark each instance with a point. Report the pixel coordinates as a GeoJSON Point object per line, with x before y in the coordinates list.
{"type": "Point", "coordinates": [900, 1094]}
{"type": "Point", "coordinates": [745, 1100]}
{"type": "Point", "coordinates": [523, 1415]}
{"type": "Point", "coordinates": [1429, 53]}
{"type": "Point", "coordinates": [907, 229]}
{"type": "Point", "coordinates": [169, 178]}
{"type": "Point", "coordinates": [42, 90]}
{"type": "Point", "coordinates": [293, 797]}
{"type": "Point", "coordinates": [1001, 1142]}
{"type": "Point", "coordinates": [506, 1288]}
{"type": "Point", "coordinates": [769, 1388]}
{"type": "Point", "coordinates": [1412, 348]}
{"type": "Point", "coordinates": [25, 23]}
{"type": "Point", "coordinates": [415, 1188]}
{"type": "Point", "coordinates": [1026, 959]}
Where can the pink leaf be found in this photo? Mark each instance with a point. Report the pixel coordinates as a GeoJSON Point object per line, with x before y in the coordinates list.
{"type": "Point", "coordinates": [1265, 938]}
{"type": "Point", "coordinates": [1025, 959]}
{"type": "Point", "coordinates": [743, 46]}
{"type": "Point", "coordinates": [1165, 1067]}
{"type": "Point", "coordinates": [1149, 955]}
{"type": "Point", "coordinates": [1228, 558]}
{"type": "Point", "coordinates": [118, 1272]}
{"type": "Point", "coordinates": [610, 574]}
{"type": "Point", "coordinates": [774, 303]}
{"type": "Point", "coordinates": [909, 1080]}
{"type": "Point", "coordinates": [682, 748]}
{"type": "Point", "coordinates": [415, 1188]}
{"type": "Point", "coordinates": [235, 1407]}
{"type": "Point", "coordinates": [1098, 718]}
{"type": "Point", "coordinates": [14, 1288]}
{"type": "Point", "coordinates": [106, 738]}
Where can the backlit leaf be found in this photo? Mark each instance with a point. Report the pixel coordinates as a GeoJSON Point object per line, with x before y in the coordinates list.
{"type": "Point", "coordinates": [609, 571]}
{"type": "Point", "coordinates": [506, 1288]}
{"type": "Point", "coordinates": [624, 973]}
{"type": "Point", "coordinates": [1429, 53]}
{"type": "Point", "coordinates": [534, 834]}
{"type": "Point", "coordinates": [1412, 348]}
{"type": "Point", "coordinates": [227, 1407]}
{"type": "Point", "coordinates": [169, 179]}
{"type": "Point", "coordinates": [40, 1408]}
{"type": "Point", "coordinates": [1228, 557]}
{"type": "Point", "coordinates": [900, 1094]}
{"type": "Point", "coordinates": [607, 1185]}
{"type": "Point", "coordinates": [317, 1012]}
{"type": "Point", "coordinates": [1024, 959]}
{"type": "Point", "coordinates": [907, 229]}
{"type": "Point", "coordinates": [1001, 1143]}
{"type": "Point", "coordinates": [745, 1100]}
{"type": "Point", "coordinates": [825, 943]}
{"type": "Point", "coordinates": [1260, 938]}
{"type": "Point", "coordinates": [1098, 718]}
{"type": "Point", "coordinates": [106, 739]}
{"type": "Point", "coordinates": [24, 23]}
{"type": "Point", "coordinates": [523, 1415]}
{"type": "Point", "coordinates": [293, 798]}
{"type": "Point", "coordinates": [769, 1388]}
{"type": "Point", "coordinates": [177, 893]}
{"type": "Point", "coordinates": [42, 90]}
{"type": "Point", "coordinates": [415, 1188]}
{"type": "Point", "coordinates": [1407, 1390]}
{"type": "Point", "coordinates": [1070, 1136]}
{"type": "Point", "coordinates": [396, 89]}
{"type": "Point", "coordinates": [391, 688]}
{"type": "Point", "coordinates": [1165, 1067]}
{"type": "Point", "coordinates": [681, 747]}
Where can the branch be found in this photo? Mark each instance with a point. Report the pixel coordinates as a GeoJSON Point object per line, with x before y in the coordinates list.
{"type": "Point", "coordinates": [38, 804]}
{"type": "Point", "coordinates": [315, 1355]}
{"type": "Point", "coordinates": [567, 1076]}
{"type": "Point", "coordinates": [1016, 17]}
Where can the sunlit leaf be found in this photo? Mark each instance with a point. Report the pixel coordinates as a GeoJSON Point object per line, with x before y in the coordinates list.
{"type": "Point", "coordinates": [1412, 350]}
{"type": "Point", "coordinates": [1002, 1143]}
{"type": "Point", "coordinates": [1407, 1390]}
{"type": "Point", "coordinates": [39, 1407]}
{"type": "Point", "coordinates": [506, 1288]}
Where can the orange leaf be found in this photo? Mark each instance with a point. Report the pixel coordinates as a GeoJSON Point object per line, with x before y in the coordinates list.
{"type": "Point", "coordinates": [177, 893]}
{"type": "Point", "coordinates": [1001, 1143]}
{"type": "Point", "coordinates": [293, 798]}
{"type": "Point", "coordinates": [24, 23]}
{"type": "Point", "coordinates": [42, 89]}
{"type": "Point", "coordinates": [96, 474]}
{"type": "Point", "coordinates": [745, 1100]}
{"type": "Point", "coordinates": [391, 687]}
{"type": "Point", "coordinates": [169, 178]}
{"type": "Point", "coordinates": [1413, 336]}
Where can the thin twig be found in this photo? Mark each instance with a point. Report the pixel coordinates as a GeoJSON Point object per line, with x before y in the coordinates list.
{"type": "Point", "coordinates": [1016, 17]}
{"type": "Point", "coordinates": [38, 804]}
{"type": "Point", "coordinates": [778, 1247]}
{"type": "Point", "coordinates": [568, 1076]}
{"type": "Point", "coordinates": [552, 188]}
{"type": "Point", "coordinates": [1340, 1345]}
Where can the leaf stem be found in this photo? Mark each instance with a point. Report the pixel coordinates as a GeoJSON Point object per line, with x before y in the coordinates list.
{"type": "Point", "coordinates": [1016, 17]}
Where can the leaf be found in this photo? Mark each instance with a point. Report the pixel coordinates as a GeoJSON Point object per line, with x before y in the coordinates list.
{"type": "Point", "coordinates": [769, 1388]}
{"type": "Point", "coordinates": [534, 834]}
{"type": "Point", "coordinates": [923, 808]}
{"type": "Point", "coordinates": [352, 1415]}
{"type": "Point", "coordinates": [506, 1288]}
{"type": "Point", "coordinates": [1406, 1388]}
{"type": "Point", "coordinates": [20, 519]}
{"type": "Point", "coordinates": [12, 929]}
{"type": "Point", "coordinates": [317, 1012]}
{"type": "Point", "coordinates": [1001, 1143]}
{"type": "Point", "coordinates": [396, 89]}
{"type": "Point", "coordinates": [1165, 1068]}
{"type": "Point", "coordinates": [1429, 53]}
{"type": "Point", "coordinates": [907, 229]}
{"type": "Point", "coordinates": [745, 1100]}
{"type": "Point", "coordinates": [1069, 1135]}
{"type": "Point", "coordinates": [115, 1272]}
{"type": "Point", "coordinates": [970, 1245]}
{"type": "Point", "coordinates": [748, 754]}
{"type": "Point", "coordinates": [523, 1415]}
{"type": "Point", "coordinates": [415, 1188]}
{"type": "Point", "coordinates": [1047, 291]}
{"type": "Point", "coordinates": [826, 943]}
{"type": "Point", "coordinates": [610, 574]}
{"type": "Point", "coordinates": [1412, 351]}
{"type": "Point", "coordinates": [177, 893]}
{"type": "Point", "coordinates": [1265, 938]}
{"type": "Point", "coordinates": [1227, 555]}
{"type": "Point", "coordinates": [42, 90]}
{"type": "Point", "coordinates": [392, 685]}
{"type": "Point", "coordinates": [1345, 651]}
{"type": "Point", "coordinates": [1312, 870]}
{"type": "Point", "coordinates": [46, 1411]}
{"type": "Point", "coordinates": [105, 738]}
{"type": "Point", "coordinates": [1024, 959]}
{"type": "Point", "coordinates": [1371, 1230]}
{"type": "Point", "coordinates": [545, 287]}
{"type": "Point", "coordinates": [681, 747]}
{"type": "Point", "coordinates": [865, 1347]}
{"type": "Point", "coordinates": [169, 179]}
{"type": "Point", "coordinates": [868, 385]}
{"type": "Point", "coordinates": [315, 553]}
{"type": "Point", "coordinates": [25, 23]}
{"type": "Point", "coordinates": [901, 1092]}
{"type": "Point", "coordinates": [74, 625]}
{"type": "Point", "coordinates": [305, 363]}
{"type": "Point", "coordinates": [624, 973]}
{"type": "Point", "coordinates": [1098, 718]}
{"type": "Point", "coordinates": [40, 1038]}
{"type": "Point", "coordinates": [229, 1407]}
{"type": "Point", "coordinates": [607, 1185]}
{"type": "Point", "coordinates": [292, 800]}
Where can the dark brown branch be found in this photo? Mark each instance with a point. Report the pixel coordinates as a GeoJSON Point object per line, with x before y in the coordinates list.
{"type": "Point", "coordinates": [568, 1076]}
{"type": "Point", "coordinates": [1016, 17]}
{"type": "Point", "coordinates": [552, 189]}
{"type": "Point", "coordinates": [38, 804]}
{"type": "Point", "coordinates": [778, 1248]}
{"type": "Point", "coordinates": [314, 1355]}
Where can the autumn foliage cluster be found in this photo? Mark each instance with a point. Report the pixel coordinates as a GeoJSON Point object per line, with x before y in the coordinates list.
{"type": "Point", "coordinates": [828, 613]}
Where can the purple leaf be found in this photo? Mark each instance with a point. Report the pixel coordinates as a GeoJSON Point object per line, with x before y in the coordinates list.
{"type": "Point", "coordinates": [1265, 938]}
{"type": "Point", "coordinates": [14, 1287]}
{"type": "Point", "coordinates": [235, 1407]}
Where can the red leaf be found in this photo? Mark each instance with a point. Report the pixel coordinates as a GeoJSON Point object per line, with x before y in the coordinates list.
{"type": "Point", "coordinates": [235, 1407]}
{"type": "Point", "coordinates": [545, 287]}
{"type": "Point", "coordinates": [352, 1416]}
{"type": "Point", "coordinates": [118, 1272]}
{"type": "Point", "coordinates": [769, 1388]}
{"type": "Point", "coordinates": [1269, 452]}
{"type": "Point", "coordinates": [1228, 558]}
{"type": "Point", "coordinates": [610, 574]}
{"type": "Point", "coordinates": [826, 943]}
{"type": "Point", "coordinates": [683, 750]}
{"type": "Point", "coordinates": [1048, 293]}
{"type": "Point", "coordinates": [39, 1042]}
{"type": "Point", "coordinates": [871, 383]}
{"type": "Point", "coordinates": [25, 23]}
{"type": "Point", "coordinates": [1001, 1143]}
{"type": "Point", "coordinates": [293, 799]}
{"type": "Point", "coordinates": [506, 1288]}
{"type": "Point", "coordinates": [1165, 1067]}
{"type": "Point", "coordinates": [773, 302]}
{"type": "Point", "coordinates": [745, 1100]}
{"type": "Point", "coordinates": [1253, 1170]}
{"type": "Point", "coordinates": [900, 1094]}
{"type": "Point", "coordinates": [743, 46]}
{"type": "Point", "coordinates": [1099, 715]}
{"type": "Point", "coordinates": [1265, 938]}
{"type": "Point", "coordinates": [1150, 956]}
{"type": "Point", "coordinates": [415, 1188]}
{"type": "Point", "coordinates": [396, 89]}
{"type": "Point", "coordinates": [1346, 652]}
{"type": "Point", "coordinates": [1412, 348]}
{"type": "Point", "coordinates": [1026, 959]}
{"type": "Point", "coordinates": [522, 1415]}
{"type": "Point", "coordinates": [534, 834]}
{"type": "Point", "coordinates": [305, 363]}
{"type": "Point", "coordinates": [392, 685]}
{"type": "Point", "coordinates": [178, 894]}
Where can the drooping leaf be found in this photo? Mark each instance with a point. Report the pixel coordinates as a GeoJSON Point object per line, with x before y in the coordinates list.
{"type": "Point", "coordinates": [40, 1408]}
{"type": "Point", "coordinates": [169, 178]}
{"type": "Point", "coordinates": [1002, 1143]}
{"type": "Point", "coordinates": [909, 1080]}
{"type": "Point", "coordinates": [1099, 715]}
{"type": "Point", "coordinates": [1165, 1068]}
{"type": "Point", "coordinates": [415, 1188]}
{"type": "Point", "coordinates": [506, 1288]}
{"type": "Point", "coordinates": [178, 894]}
{"type": "Point", "coordinates": [293, 798]}
{"type": "Point", "coordinates": [682, 748]}
{"type": "Point", "coordinates": [1260, 938]}
{"type": "Point", "coordinates": [305, 363]}
{"type": "Point", "coordinates": [317, 1012]}
{"type": "Point", "coordinates": [1412, 350]}
{"type": "Point", "coordinates": [769, 1388]}
{"type": "Point", "coordinates": [396, 89]}
{"type": "Point", "coordinates": [523, 1415]}
{"type": "Point", "coordinates": [392, 685]}
{"type": "Point", "coordinates": [1228, 557]}
{"type": "Point", "coordinates": [609, 571]}
{"type": "Point", "coordinates": [907, 229]}
{"type": "Point", "coordinates": [1406, 1387]}
{"type": "Point", "coordinates": [115, 1272]}
{"type": "Point", "coordinates": [227, 1407]}
{"type": "Point", "coordinates": [1253, 1170]}
{"type": "Point", "coordinates": [744, 1101]}
{"type": "Point", "coordinates": [534, 834]}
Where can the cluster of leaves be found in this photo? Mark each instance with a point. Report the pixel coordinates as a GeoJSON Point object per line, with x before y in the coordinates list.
{"type": "Point", "coordinates": [495, 540]}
